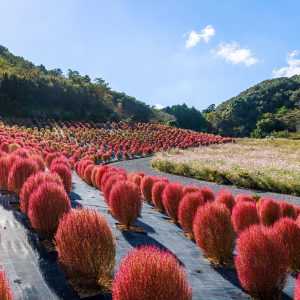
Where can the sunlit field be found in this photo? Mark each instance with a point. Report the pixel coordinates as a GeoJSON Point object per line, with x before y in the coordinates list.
{"type": "Point", "coordinates": [272, 165]}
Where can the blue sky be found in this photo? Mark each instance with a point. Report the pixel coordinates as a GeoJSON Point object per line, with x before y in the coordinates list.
{"type": "Point", "coordinates": [160, 51]}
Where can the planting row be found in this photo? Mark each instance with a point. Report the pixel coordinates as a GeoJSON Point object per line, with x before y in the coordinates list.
{"type": "Point", "coordinates": [114, 142]}
{"type": "Point", "coordinates": [265, 233]}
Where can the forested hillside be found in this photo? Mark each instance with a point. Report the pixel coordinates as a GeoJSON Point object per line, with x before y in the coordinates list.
{"type": "Point", "coordinates": [268, 107]}
{"type": "Point", "coordinates": [33, 91]}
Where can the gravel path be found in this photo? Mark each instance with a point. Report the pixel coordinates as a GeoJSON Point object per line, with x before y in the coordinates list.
{"type": "Point", "coordinates": [143, 164]}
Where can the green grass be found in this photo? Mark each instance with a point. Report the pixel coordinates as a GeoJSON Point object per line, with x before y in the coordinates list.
{"type": "Point", "coordinates": [269, 165]}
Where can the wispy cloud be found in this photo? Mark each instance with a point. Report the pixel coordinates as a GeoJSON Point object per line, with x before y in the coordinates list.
{"type": "Point", "coordinates": [293, 67]}
{"type": "Point", "coordinates": [159, 106]}
{"type": "Point", "coordinates": [193, 38]}
{"type": "Point", "coordinates": [233, 53]}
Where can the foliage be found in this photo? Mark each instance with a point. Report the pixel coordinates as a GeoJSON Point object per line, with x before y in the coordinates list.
{"type": "Point", "coordinates": [47, 204]}
{"type": "Point", "coordinates": [125, 201]}
{"type": "Point", "coordinates": [150, 273]}
{"type": "Point", "coordinates": [272, 105]}
{"type": "Point", "coordinates": [261, 262]}
{"type": "Point", "coordinates": [210, 223]}
{"type": "Point", "coordinates": [86, 247]}
{"type": "Point", "coordinates": [188, 118]}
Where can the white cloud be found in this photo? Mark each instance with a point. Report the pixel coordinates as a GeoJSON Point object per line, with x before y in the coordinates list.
{"type": "Point", "coordinates": [195, 37]}
{"type": "Point", "coordinates": [235, 54]}
{"type": "Point", "coordinates": [159, 106]}
{"type": "Point", "coordinates": [293, 67]}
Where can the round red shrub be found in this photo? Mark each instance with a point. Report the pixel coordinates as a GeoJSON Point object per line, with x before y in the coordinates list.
{"type": "Point", "coordinates": [39, 161]}
{"type": "Point", "coordinates": [4, 147]}
{"type": "Point", "coordinates": [5, 165]}
{"type": "Point", "coordinates": [32, 183]}
{"type": "Point", "coordinates": [189, 189]}
{"type": "Point", "coordinates": [82, 165]}
{"type": "Point", "coordinates": [50, 157]}
{"type": "Point", "coordinates": [125, 202]}
{"type": "Point", "coordinates": [65, 174]}
{"type": "Point", "coordinates": [5, 292]}
{"type": "Point", "coordinates": [171, 197]}
{"type": "Point", "coordinates": [19, 172]}
{"type": "Point", "coordinates": [289, 232]}
{"type": "Point", "coordinates": [297, 289]}
{"type": "Point", "coordinates": [86, 247]}
{"type": "Point", "coordinates": [147, 183]}
{"type": "Point", "coordinates": [269, 211]}
{"type": "Point", "coordinates": [108, 174]}
{"type": "Point", "coordinates": [244, 198]}
{"type": "Point", "coordinates": [93, 175]}
{"type": "Point", "coordinates": [227, 198]}
{"type": "Point", "coordinates": [207, 194]}
{"type": "Point", "coordinates": [244, 214]}
{"type": "Point", "coordinates": [47, 204]}
{"type": "Point", "coordinates": [156, 195]}
{"type": "Point", "coordinates": [214, 232]}
{"type": "Point", "coordinates": [99, 175]}
{"type": "Point", "coordinates": [87, 174]}
{"type": "Point", "coordinates": [261, 262]}
{"type": "Point", "coordinates": [188, 208]}
{"type": "Point", "coordinates": [110, 182]}
{"type": "Point", "coordinates": [150, 273]}
{"type": "Point", "coordinates": [288, 210]}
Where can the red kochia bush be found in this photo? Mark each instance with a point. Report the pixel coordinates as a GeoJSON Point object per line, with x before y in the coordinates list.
{"type": "Point", "coordinates": [110, 182]}
{"type": "Point", "coordinates": [214, 232]}
{"type": "Point", "coordinates": [244, 214]}
{"type": "Point", "coordinates": [87, 174]}
{"type": "Point", "coordinates": [208, 194]}
{"type": "Point", "coordinates": [65, 174]}
{"type": "Point", "coordinates": [189, 189]}
{"type": "Point", "coordinates": [5, 292]}
{"type": "Point", "coordinates": [244, 198]}
{"type": "Point", "coordinates": [86, 247]}
{"type": "Point", "coordinates": [109, 173]}
{"type": "Point", "coordinates": [47, 204]}
{"type": "Point", "coordinates": [102, 170]}
{"type": "Point", "coordinates": [147, 183]}
{"type": "Point", "coordinates": [227, 198]}
{"type": "Point", "coordinates": [171, 197]}
{"type": "Point", "coordinates": [288, 210]}
{"type": "Point", "coordinates": [39, 161]}
{"type": "Point", "coordinates": [150, 273]}
{"type": "Point", "coordinates": [297, 289]}
{"type": "Point", "coordinates": [261, 262]}
{"type": "Point", "coordinates": [157, 191]}
{"type": "Point", "coordinates": [32, 183]}
{"type": "Point", "coordinates": [5, 165]}
{"type": "Point", "coordinates": [19, 172]}
{"type": "Point", "coordinates": [188, 208]}
{"type": "Point", "coordinates": [94, 174]}
{"type": "Point", "coordinates": [268, 211]}
{"type": "Point", "coordinates": [125, 202]}
{"type": "Point", "coordinates": [289, 232]}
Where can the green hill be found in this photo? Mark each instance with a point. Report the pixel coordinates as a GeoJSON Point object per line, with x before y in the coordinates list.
{"type": "Point", "coordinates": [31, 91]}
{"type": "Point", "coordinates": [268, 107]}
